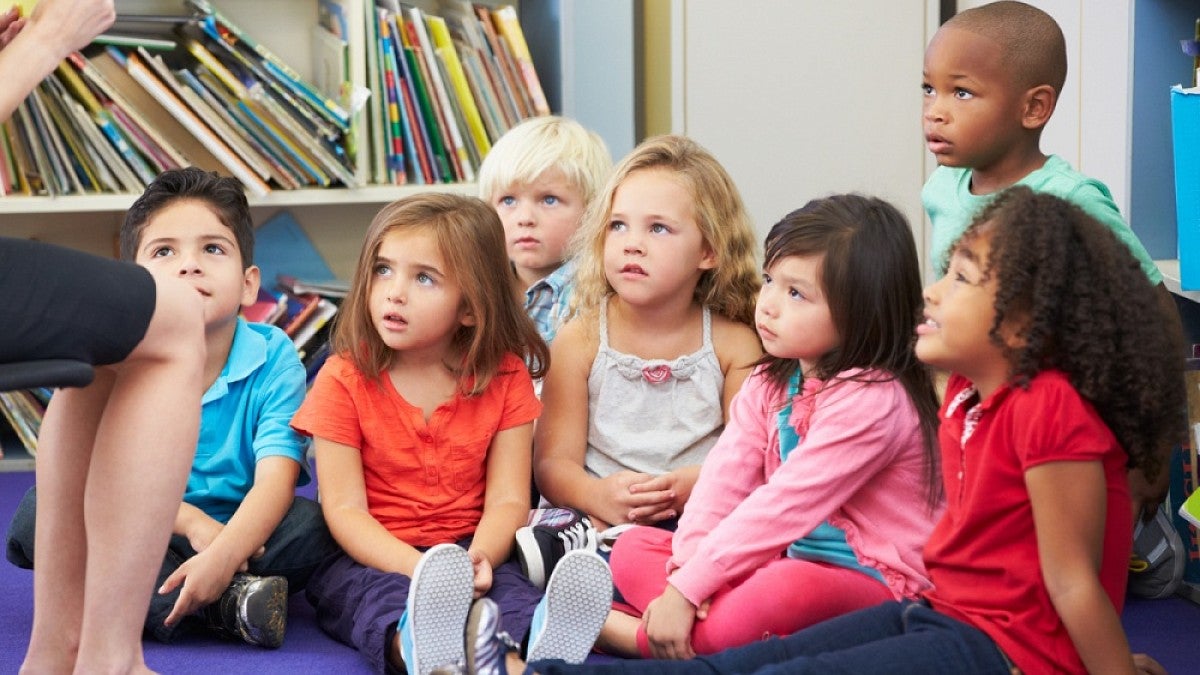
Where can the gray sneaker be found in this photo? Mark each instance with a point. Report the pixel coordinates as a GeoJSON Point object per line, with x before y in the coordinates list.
{"type": "Point", "coordinates": [578, 598]}
{"type": "Point", "coordinates": [439, 597]}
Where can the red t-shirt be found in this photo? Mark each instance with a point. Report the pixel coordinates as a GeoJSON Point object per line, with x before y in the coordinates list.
{"type": "Point", "coordinates": [983, 556]}
{"type": "Point", "coordinates": [424, 482]}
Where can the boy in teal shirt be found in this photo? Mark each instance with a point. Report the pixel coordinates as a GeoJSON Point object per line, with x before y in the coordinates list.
{"type": "Point", "coordinates": [242, 539]}
{"type": "Point", "coordinates": [992, 78]}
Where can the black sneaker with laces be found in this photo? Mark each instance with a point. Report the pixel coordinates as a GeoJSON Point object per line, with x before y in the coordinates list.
{"type": "Point", "coordinates": [253, 609]}
{"type": "Point", "coordinates": [550, 535]}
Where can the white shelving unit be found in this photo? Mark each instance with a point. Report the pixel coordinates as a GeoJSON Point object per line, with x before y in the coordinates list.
{"type": "Point", "coordinates": [335, 218]}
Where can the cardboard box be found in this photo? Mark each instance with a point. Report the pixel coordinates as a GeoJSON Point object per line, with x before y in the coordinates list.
{"type": "Point", "coordinates": [1185, 127]}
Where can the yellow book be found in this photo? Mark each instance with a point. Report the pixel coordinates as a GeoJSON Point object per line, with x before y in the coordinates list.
{"type": "Point", "coordinates": [510, 29]}
{"type": "Point", "coordinates": [75, 83]}
{"type": "Point", "coordinates": [458, 80]}
{"type": "Point", "coordinates": [217, 68]}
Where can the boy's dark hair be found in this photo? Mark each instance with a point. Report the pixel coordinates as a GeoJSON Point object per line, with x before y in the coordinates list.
{"type": "Point", "coordinates": [225, 196]}
{"type": "Point", "coordinates": [1086, 308]}
{"type": "Point", "coordinates": [872, 282]}
{"type": "Point", "coordinates": [1034, 49]}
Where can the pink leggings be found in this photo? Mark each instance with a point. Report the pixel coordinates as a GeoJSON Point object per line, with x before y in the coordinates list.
{"type": "Point", "coordinates": [779, 598]}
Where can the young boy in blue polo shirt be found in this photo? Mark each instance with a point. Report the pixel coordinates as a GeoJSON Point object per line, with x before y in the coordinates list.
{"type": "Point", "coordinates": [242, 539]}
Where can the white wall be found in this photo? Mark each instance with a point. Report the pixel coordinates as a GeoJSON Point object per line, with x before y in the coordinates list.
{"type": "Point", "coordinates": [801, 99]}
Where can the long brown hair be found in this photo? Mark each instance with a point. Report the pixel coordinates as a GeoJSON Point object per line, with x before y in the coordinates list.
{"type": "Point", "coordinates": [872, 281]}
{"type": "Point", "coordinates": [471, 239]}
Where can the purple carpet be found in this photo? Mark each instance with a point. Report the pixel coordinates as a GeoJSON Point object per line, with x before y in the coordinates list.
{"type": "Point", "coordinates": [305, 649]}
{"type": "Point", "coordinates": [1167, 629]}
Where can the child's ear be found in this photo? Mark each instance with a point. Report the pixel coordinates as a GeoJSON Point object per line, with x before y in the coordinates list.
{"type": "Point", "coordinates": [465, 316]}
{"type": "Point", "coordinates": [1038, 106]}
{"type": "Point", "coordinates": [708, 258]}
{"type": "Point", "coordinates": [251, 280]}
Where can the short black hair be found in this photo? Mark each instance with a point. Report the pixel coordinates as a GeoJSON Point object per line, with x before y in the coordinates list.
{"type": "Point", "coordinates": [1035, 52]}
{"type": "Point", "coordinates": [225, 196]}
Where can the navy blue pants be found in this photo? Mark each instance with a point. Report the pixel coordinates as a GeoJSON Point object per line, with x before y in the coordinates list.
{"type": "Point", "coordinates": [294, 550]}
{"type": "Point", "coordinates": [360, 606]}
{"type": "Point", "coordinates": [894, 638]}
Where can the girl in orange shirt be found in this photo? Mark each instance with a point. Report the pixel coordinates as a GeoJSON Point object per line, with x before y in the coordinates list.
{"type": "Point", "coordinates": [422, 424]}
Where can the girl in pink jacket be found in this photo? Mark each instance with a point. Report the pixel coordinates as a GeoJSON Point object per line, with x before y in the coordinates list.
{"type": "Point", "coordinates": [823, 488]}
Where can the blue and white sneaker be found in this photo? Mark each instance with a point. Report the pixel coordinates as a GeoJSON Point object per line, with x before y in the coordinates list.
{"type": "Point", "coordinates": [439, 597]}
{"type": "Point", "coordinates": [487, 646]}
{"type": "Point", "coordinates": [578, 598]}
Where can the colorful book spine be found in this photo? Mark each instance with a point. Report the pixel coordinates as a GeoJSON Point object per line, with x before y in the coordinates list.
{"type": "Point", "coordinates": [394, 132]}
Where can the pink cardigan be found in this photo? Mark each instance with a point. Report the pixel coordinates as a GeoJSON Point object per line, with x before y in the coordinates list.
{"type": "Point", "coordinates": [859, 465]}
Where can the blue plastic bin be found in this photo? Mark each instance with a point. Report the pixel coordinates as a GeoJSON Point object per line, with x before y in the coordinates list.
{"type": "Point", "coordinates": [1185, 126]}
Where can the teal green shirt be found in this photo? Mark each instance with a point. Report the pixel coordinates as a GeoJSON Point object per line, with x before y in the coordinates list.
{"type": "Point", "coordinates": [951, 207]}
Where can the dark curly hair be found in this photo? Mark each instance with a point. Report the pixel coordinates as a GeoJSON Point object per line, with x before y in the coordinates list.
{"type": "Point", "coordinates": [1087, 309]}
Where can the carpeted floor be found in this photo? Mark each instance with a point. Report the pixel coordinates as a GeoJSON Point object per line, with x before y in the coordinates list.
{"type": "Point", "coordinates": [305, 649]}
{"type": "Point", "coordinates": [1167, 629]}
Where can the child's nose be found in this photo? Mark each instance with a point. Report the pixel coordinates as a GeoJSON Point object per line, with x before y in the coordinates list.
{"type": "Point", "coordinates": [934, 111]}
{"type": "Point", "coordinates": [189, 264]}
{"type": "Point", "coordinates": [766, 301]}
{"type": "Point", "coordinates": [929, 293]}
{"type": "Point", "coordinates": [525, 215]}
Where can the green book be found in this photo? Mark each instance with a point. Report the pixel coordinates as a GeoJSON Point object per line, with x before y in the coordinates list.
{"type": "Point", "coordinates": [433, 127]}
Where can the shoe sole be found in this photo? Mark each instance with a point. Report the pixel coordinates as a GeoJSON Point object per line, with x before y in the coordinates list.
{"type": "Point", "coordinates": [532, 564]}
{"type": "Point", "coordinates": [439, 600]}
{"type": "Point", "coordinates": [578, 599]}
{"type": "Point", "coordinates": [263, 620]}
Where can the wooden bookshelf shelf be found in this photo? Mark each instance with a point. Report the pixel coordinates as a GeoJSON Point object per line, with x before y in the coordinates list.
{"type": "Point", "coordinates": [374, 194]}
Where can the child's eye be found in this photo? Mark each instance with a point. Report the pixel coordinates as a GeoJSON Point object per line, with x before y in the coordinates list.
{"type": "Point", "coordinates": [424, 279]}
{"type": "Point", "coordinates": [766, 279]}
{"type": "Point", "coordinates": [507, 200]}
{"type": "Point", "coordinates": [616, 226]}
{"type": "Point", "coordinates": [963, 94]}
{"type": "Point", "coordinates": [381, 270]}
{"type": "Point", "coordinates": [214, 248]}
{"type": "Point", "coordinates": [795, 294]}
{"type": "Point", "coordinates": [162, 252]}
{"type": "Point", "coordinates": [926, 89]}
{"type": "Point", "coordinates": [550, 200]}
{"type": "Point", "coordinates": [659, 228]}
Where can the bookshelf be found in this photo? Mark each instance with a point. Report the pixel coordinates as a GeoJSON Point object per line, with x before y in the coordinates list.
{"type": "Point", "coordinates": [334, 218]}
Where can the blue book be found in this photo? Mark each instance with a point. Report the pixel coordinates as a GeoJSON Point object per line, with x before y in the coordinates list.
{"type": "Point", "coordinates": [282, 247]}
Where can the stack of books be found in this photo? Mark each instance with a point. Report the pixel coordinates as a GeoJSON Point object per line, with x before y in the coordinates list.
{"type": "Point", "coordinates": [439, 90]}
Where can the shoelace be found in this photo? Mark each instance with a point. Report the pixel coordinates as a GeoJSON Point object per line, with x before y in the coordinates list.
{"type": "Point", "coordinates": [575, 536]}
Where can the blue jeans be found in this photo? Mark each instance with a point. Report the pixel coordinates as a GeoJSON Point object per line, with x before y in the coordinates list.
{"type": "Point", "coordinates": [294, 550]}
{"type": "Point", "coordinates": [895, 638]}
